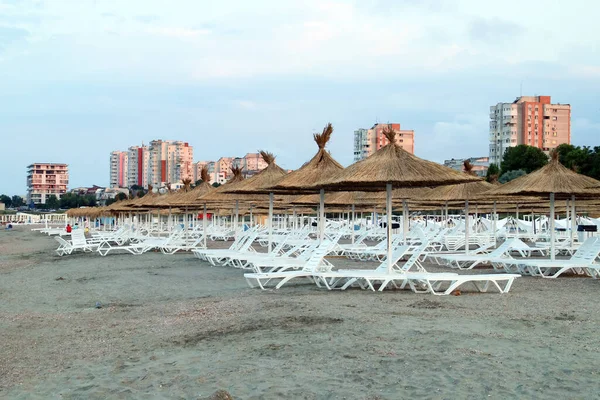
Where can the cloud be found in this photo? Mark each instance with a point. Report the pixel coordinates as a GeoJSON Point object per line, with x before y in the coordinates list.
{"type": "Point", "coordinates": [10, 35]}
{"type": "Point", "coordinates": [246, 104]}
{"type": "Point", "coordinates": [146, 19]}
{"type": "Point", "coordinates": [180, 33]}
{"type": "Point", "coordinates": [493, 29]}
{"type": "Point", "coordinates": [464, 136]}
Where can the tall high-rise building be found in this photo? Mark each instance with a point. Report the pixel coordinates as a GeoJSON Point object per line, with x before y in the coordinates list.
{"type": "Point", "coordinates": [170, 162]}
{"type": "Point", "coordinates": [45, 179]}
{"type": "Point", "coordinates": [138, 162]}
{"type": "Point", "coordinates": [368, 141]}
{"type": "Point", "coordinates": [530, 120]}
{"type": "Point", "coordinates": [119, 169]}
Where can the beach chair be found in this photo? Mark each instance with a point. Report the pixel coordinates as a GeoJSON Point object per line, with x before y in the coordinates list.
{"type": "Point", "coordinates": [316, 263]}
{"type": "Point", "coordinates": [441, 284]}
{"type": "Point", "coordinates": [469, 261]}
{"type": "Point", "coordinates": [581, 263]}
{"type": "Point", "coordinates": [78, 243]}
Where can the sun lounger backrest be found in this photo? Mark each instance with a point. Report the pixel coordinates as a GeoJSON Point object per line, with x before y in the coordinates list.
{"type": "Point", "coordinates": [588, 251]}
{"type": "Point", "coordinates": [62, 241]}
{"type": "Point", "coordinates": [505, 248]}
{"type": "Point", "coordinates": [314, 262]}
{"type": "Point", "coordinates": [414, 258]}
{"type": "Point", "coordinates": [78, 238]}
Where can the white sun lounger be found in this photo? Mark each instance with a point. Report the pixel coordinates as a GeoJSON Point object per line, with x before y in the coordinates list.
{"type": "Point", "coordinates": [469, 261]}
{"type": "Point", "coordinates": [315, 263]}
{"type": "Point", "coordinates": [582, 262]}
{"type": "Point", "coordinates": [78, 243]}
{"type": "Point", "coordinates": [442, 284]}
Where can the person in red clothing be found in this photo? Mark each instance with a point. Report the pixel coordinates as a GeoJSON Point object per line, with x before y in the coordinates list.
{"type": "Point", "coordinates": [69, 229]}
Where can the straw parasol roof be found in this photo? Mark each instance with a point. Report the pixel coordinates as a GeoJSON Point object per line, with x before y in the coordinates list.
{"type": "Point", "coordinates": [218, 195]}
{"type": "Point", "coordinates": [253, 190]}
{"type": "Point", "coordinates": [461, 191]}
{"type": "Point", "coordinates": [260, 182]}
{"type": "Point", "coordinates": [321, 166]}
{"type": "Point", "coordinates": [188, 197]}
{"type": "Point", "coordinates": [392, 165]}
{"type": "Point", "coordinates": [551, 178]}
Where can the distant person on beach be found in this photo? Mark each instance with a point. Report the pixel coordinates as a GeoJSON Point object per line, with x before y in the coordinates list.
{"type": "Point", "coordinates": [68, 228]}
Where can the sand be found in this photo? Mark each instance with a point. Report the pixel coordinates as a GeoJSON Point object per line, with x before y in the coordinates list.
{"type": "Point", "coordinates": [174, 327]}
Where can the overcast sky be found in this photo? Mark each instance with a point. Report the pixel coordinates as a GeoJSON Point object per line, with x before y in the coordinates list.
{"type": "Point", "coordinates": [80, 78]}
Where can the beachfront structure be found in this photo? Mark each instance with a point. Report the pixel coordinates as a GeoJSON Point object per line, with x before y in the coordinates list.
{"type": "Point", "coordinates": [119, 168]}
{"type": "Point", "coordinates": [368, 141]}
{"type": "Point", "coordinates": [170, 162]}
{"type": "Point", "coordinates": [220, 171]}
{"type": "Point", "coordinates": [530, 120]}
{"type": "Point", "coordinates": [480, 164]}
{"type": "Point", "coordinates": [44, 180]}
{"type": "Point", "coordinates": [138, 161]}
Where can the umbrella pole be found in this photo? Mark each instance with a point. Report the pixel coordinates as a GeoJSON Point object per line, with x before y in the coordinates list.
{"type": "Point", "coordinates": [573, 219]}
{"type": "Point", "coordinates": [251, 217]}
{"type": "Point", "coordinates": [388, 206]}
{"type": "Point", "coordinates": [294, 218]}
{"type": "Point", "coordinates": [494, 226]}
{"type": "Point", "coordinates": [405, 221]}
{"type": "Point", "coordinates": [517, 220]}
{"type": "Point", "coordinates": [237, 216]}
{"type": "Point", "coordinates": [552, 245]}
{"type": "Point", "coordinates": [204, 233]}
{"type": "Point", "coordinates": [466, 226]}
{"type": "Point", "coordinates": [352, 222]}
{"type": "Point", "coordinates": [446, 215]}
{"type": "Point", "coordinates": [321, 215]}
{"type": "Point", "coordinates": [270, 221]}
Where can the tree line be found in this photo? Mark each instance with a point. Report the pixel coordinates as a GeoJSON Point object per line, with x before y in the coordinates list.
{"type": "Point", "coordinates": [523, 159]}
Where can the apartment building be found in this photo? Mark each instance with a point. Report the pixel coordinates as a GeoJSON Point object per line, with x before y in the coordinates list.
{"type": "Point", "coordinates": [368, 141]}
{"type": "Point", "coordinates": [138, 163]}
{"type": "Point", "coordinates": [530, 120]}
{"type": "Point", "coordinates": [170, 162]}
{"type": "Point", "coordinates": [44, 180]}
{"type": "Point", "coordinates": [119, 169]}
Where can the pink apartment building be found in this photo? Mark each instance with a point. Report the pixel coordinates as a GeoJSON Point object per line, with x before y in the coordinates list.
{"type": "Point", "coordinates": [530, 120]}
{"type": "Point", "coordinates": [119, 168]}
{"type": "Point", "coordinates": [44, 180]}
{"type": "Point", "coordinates": [368, 141]}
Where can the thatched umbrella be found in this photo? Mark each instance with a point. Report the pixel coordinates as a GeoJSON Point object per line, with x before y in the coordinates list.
{"type": "Point", "coordinates": [392, 167]}
{"type": "Point", "coordinates": [260, 183]}
{"type": "Point", "coordinates": [462, 192]}
{"type": "Point", "coordinates": [553, 180]}
{"type": "Point", "coordinates": [317, 168]}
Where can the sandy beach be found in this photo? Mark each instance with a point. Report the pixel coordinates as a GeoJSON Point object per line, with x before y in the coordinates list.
{"type": "Point", "coordinates": [174, 327]}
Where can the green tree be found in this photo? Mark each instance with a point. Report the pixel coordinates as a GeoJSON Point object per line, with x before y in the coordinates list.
{"type": "Point", "coordinates": [510, 175]}
{"type": "Point", "coordinates": [120, 196]}
{"type": "Point", "coordinates": [527, 158]}
{"type": "Point", "coordinates": [17, 201]}
{"type": "Point", "coordinates": [52, 202]}
{"type": "Point", "coordinates": [216, 184]}
{"type": "Point", "coordinates": [6, 200]}
{"type": "Point", "coordinates": [492, 172]}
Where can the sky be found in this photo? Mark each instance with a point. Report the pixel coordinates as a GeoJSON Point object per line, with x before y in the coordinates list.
{"type": "Point", "coordinates": [81, 78]}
